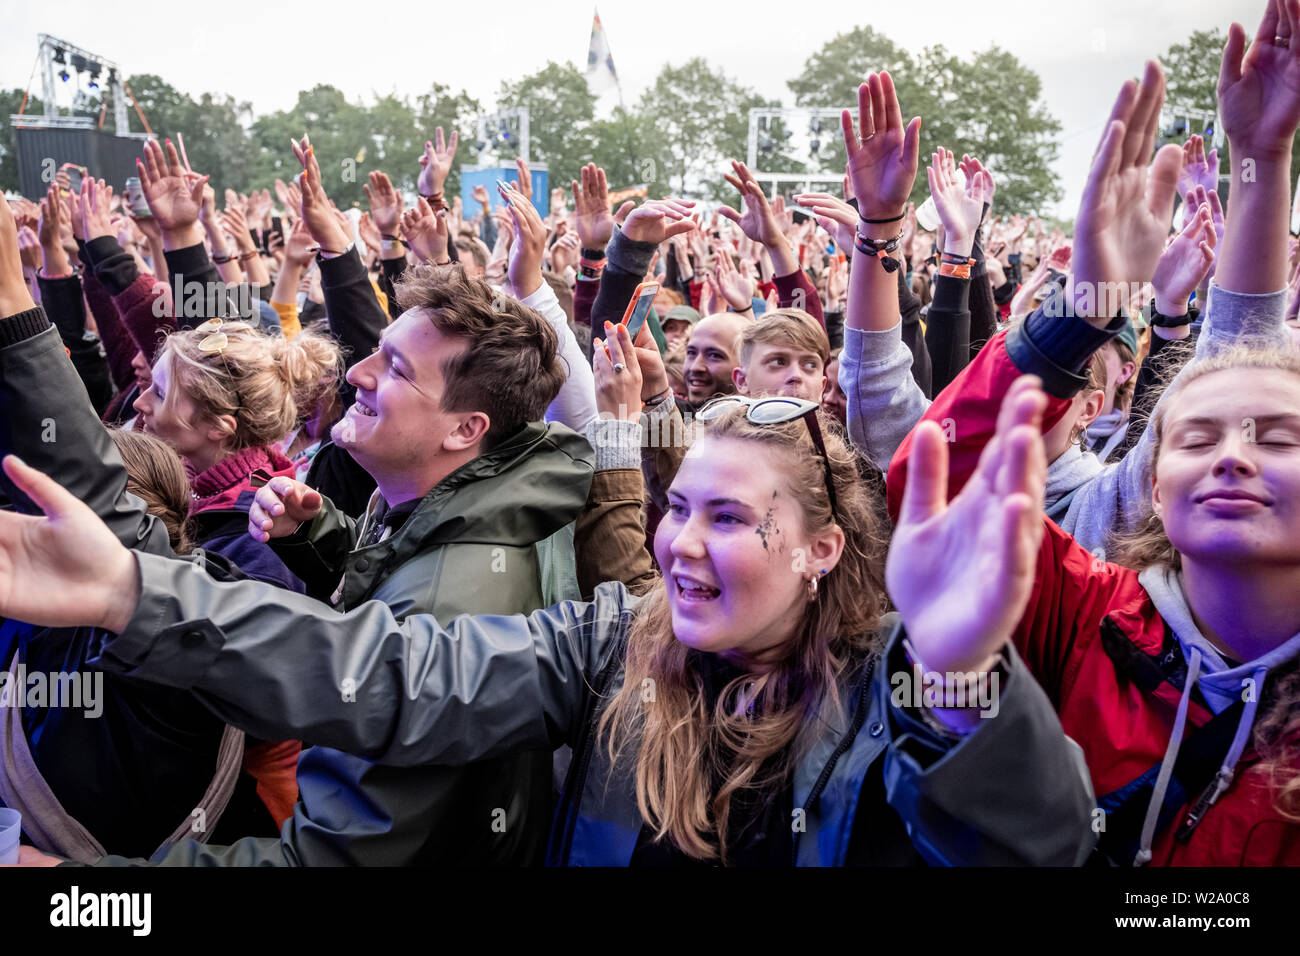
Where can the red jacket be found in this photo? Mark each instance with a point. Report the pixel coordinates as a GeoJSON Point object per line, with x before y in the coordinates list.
{"type": "Point", "coordinates": [1113, 669]}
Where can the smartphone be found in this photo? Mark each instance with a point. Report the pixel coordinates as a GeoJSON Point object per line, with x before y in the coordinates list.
{"type": "Point", "coordinates": [135, 200]}
{"type": "Point", "coordinates": [642, 299]}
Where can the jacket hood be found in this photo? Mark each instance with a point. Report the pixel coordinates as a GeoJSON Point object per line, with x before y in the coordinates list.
{"type": "Point", "coordinates": [1074, 468]}
{"type": "Point", "coordinates": [517, 494]}
{"type": "Point", "coordinates": [1220, 683]}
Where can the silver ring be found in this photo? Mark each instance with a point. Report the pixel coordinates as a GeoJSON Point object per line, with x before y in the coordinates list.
{"type": "Point", "coordinates": [1283, 42]}
{"type": "Point", "coordinates": [619, 366]}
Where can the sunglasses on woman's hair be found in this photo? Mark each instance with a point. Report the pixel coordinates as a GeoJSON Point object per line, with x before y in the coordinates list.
{"type": "Point", "coordinates": [776, 410]}
{"type": "Point", "coordinates": [217, 341]}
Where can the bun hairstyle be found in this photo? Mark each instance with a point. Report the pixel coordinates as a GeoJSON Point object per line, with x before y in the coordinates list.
{"type": "Point", "coordinates": [155, 475]}
{"type": "Point", "coordinates": [267, 383]}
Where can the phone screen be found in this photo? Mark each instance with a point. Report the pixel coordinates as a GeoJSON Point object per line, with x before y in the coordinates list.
{"type": "Point", "coordinates": [637, 318]}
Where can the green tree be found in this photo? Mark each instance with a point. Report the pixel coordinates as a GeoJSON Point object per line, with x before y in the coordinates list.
{"type": "Point", "coordinates": [10, 100]}
{"type": "Point", "coordinates": [832, 75]}
{"type": "Point", "coordinates": [630, 150]}
{"type": "Point", "coordinates": [338, 132]}
{"type": "Point", "coordinates": [701, 120]}
{"type": "Point", "coordinates": [561, 111]}
{"type": "Point", "coordinates": [989, 106]}
{"type": "Point", "coordinates": [1192, 69]}
{"type": "Point", "coordinates": [214, 127]}
{"type": "Point", "coordinates": [1192, 72]}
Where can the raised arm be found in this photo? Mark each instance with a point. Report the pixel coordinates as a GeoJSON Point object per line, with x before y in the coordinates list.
{"type": "Point", "coordinates": [280, 665]}
{"type": "Point", "coordinates": [575, 405]}
{"type": "Point", "coordinates": [46, 414]}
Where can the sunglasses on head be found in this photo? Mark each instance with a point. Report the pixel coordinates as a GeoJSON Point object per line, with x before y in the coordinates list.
{"type": "Point", "coordinates": [217, 341]}
{"type": "Point", "coordinates": [776, 410]}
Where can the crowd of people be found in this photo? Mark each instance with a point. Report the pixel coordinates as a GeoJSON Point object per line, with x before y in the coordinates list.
{"type": "Point", "coordinates": [873, 545]}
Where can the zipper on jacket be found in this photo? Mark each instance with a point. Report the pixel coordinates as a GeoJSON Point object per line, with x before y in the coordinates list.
{"type": "Point", "coordinates": [847, 742]}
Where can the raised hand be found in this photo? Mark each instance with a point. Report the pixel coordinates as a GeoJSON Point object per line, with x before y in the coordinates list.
{"type": "Point", "coordinates": [426, 231]}
{"type": "Point", "coordinates": [174, 195]}
{"type": "Point", "coordinates": [618, 391]}
{"type": "Point", "coordinates": [1198, 169]}
{"type": "Point", "coordinates": [15, 294]}
{"type": "Point", "coordinates": [1185, 263]}
{"type": "Point", "coordinates": [29, 251]}
{"type": "Point", "coordinates": [882, 155]}
{"type": "Point", "coordinates": [279, 507]}
{"type": "Point", "coordinates": [67, 551]}
{"type": "Point", "coordinates": [1197, 197]}
{"type": "Point", "coordinates": [1125, 210]}
{"type": "Point", "coordinates": [960, 206]}
{"type": "Point", "coordinates": [96, 200]}
{"type": "Point", "coordinates": [592, 216]}
{"type": "Point", "coordinates": [385, 203]}
{"type": "Point", "coordinates": [978, 550]}
{"type": "Point", "coordinates": [53, 223]}
{"type": "Point", "coordinates": [317, 212]}
{"type": "Point", "coordinates": [525, 186]}
{"type": "Point", "coordinates": [525, 270]}
{"type": "Point", "coordinates": [299, 246]}
{"type": "Point", "coordinates": [1259, 95]}
{"type": "Point", "coordinates": [369, 233]}
{"type": "Point", "coordinates": [759, 221]}
{"type": "Point", "coordinates": [566, 252]}
{"type": "Point", "coordinates": [481, 197]}
{"type": "Point", "coordinates": [659, 220]}
{"type": "Point", "coordinates": [737, 289]}
{"type": "Point", "coordinates": [236, 226]}
{"type": "Point", "coordinates": [435, 164]}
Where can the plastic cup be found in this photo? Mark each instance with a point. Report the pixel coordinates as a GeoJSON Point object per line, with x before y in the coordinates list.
{"type": "Point", "coordinates": [11, 828]}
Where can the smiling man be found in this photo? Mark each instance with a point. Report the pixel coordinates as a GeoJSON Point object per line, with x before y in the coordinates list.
{"type": "Point", "coordinates": [712, 354]}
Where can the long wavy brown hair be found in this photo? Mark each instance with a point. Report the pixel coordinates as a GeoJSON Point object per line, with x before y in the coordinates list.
{"type": "Point", "coordinates": [751, 738]}
{"type": "Point", "coordinates": [1277, 729]}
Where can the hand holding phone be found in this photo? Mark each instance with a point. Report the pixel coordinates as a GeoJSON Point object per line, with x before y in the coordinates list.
{"type": "Point", "coordinates": [637, 309]}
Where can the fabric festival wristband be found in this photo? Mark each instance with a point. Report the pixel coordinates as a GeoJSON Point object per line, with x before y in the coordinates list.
{"type": "Point", "coordinates": [954, 270]}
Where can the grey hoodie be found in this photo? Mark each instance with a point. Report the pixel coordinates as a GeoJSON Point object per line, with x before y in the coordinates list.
{"type": "Point", "coordinates": [884, 404]}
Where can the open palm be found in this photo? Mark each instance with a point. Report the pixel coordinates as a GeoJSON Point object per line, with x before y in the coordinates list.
{"type": "Point", "coordinates": [1259, 96]}
{"type": "Point", "coordinates": [1125, 210]}
{"type": "Point", "coordinates": [175, 195]}
{"type": "Point", "coordinates": [882, 154]}
{"type": "Point", "coordinates": [960, 573]}
{"type": "Point", "coordinates": [69, 551]}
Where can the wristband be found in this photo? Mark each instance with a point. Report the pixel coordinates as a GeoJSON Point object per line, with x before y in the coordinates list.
{"type": "Point", "coordinates": [881, 222]}
{"type": "Point", "coordinates": [656, 399]}
{"type": "Point", "coordinates": [592, 255]}
{"type": "Point", "coordinates": [954, 270]}
{"type": "Point", "coordinates": [222, 260]}
{"type": "Point", "coordinates": [879, 249]}
{"type": "Point", "coordinates": [250, 254]}
{"type": "Point", "coordinates": [1163, 321]}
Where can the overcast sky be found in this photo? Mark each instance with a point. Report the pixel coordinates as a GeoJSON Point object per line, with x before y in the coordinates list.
{"type": "Point", "coordinates": [1082, 51]}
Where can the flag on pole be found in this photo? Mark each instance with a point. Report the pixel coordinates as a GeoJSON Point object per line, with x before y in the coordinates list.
{"type": "Point", "coordinates": [601, 74]}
